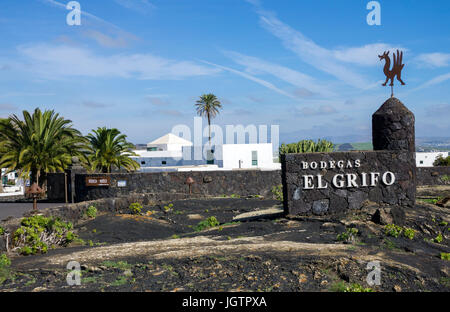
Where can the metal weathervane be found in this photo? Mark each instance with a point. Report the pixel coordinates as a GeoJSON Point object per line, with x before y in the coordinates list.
{"type": "Point", "coordinates": [396, 69]}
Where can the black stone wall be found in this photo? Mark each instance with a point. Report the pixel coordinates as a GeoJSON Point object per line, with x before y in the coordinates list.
{"type": "Point", "coordinates": [56, 187]}
{"type": "Point", "coordinates": [207, 183]}
{"type": "Point", "coordinates": [332, 200]}
{"type": "Point", "coordinates": [393, 127]}
{"type": "Point", "coordinates": [433, 176]}
{"type": "Point", "coordinates": [263, 181]}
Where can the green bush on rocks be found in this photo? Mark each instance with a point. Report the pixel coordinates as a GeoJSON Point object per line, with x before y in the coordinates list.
{"type": "Point", "coordinates": [36, 233]}
{"type": "Point", "coordinates": [395, 231]}
{"type": "Point", "coordinates": [91, 212]}
{"type": "Point", "coordinates": [348, 236]}
{"type": "Point", "coordinates": [277, 192]}
{"type": "Point", "coordinates": [5, 272]}
{"type": "Point", "coordinates": [205, 224]}
{"type": "Point", "coordinates": [136, 208]}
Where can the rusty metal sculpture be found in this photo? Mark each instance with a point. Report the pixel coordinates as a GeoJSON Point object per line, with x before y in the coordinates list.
{"type": "Point", "coordinates": [189, 182]}
{"type": "Point", "coordinates": [396, 68]}
{"type": "Point", "coordinates": [34, 192]}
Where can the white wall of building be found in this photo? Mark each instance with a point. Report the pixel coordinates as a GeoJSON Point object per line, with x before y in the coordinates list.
{"type": "Point", "coordinates": [233, 156]}
{"type": "Point", "coordinates": [248, 156]}
{"type": "Point", "coordinates": [426, 159]}
{"type": "Point", "coordinates": [173, 153]}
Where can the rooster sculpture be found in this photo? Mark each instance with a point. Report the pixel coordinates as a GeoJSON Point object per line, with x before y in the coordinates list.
{"type": "Point", "coordinates": [396, 69]}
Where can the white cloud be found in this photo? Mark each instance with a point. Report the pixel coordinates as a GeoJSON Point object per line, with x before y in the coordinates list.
{"type": "Point", "coordinates": [332, 61]}
{"type": "Point", "coordinates": [311, 111]}
{"type": "Point", "coordinates": [119, 36]}
{"type": "Point", "coordinates": [438, 110]}
{"type": "Point", "coordinates": [252, 78]}
{"type": "Point", "coordinates": [94, 104]}
{"type": "Point", "coordinates": [437, 80]}
{"type": "Point", "coordinates": [311, 53]}
{"type": "Point", "coordinates": [83, 12]}
{"type": "Point", "coordinates": [303, 82]}
{"type": "Point", "coordinates": [57, 61]}
{"type": "Point", "coordinates": [119, 40]}
{"type": "Point", "coordinates": [433, 59]}
{"type": "Point", "coordinates": [141, 6]}
{"type": "Point", "coordinates": [366, 55]}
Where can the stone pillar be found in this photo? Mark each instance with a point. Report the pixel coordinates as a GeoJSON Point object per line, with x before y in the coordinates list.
{"type": "Point", "coordinates": [393, 130]}
{"type": "Point", "coordinates": [75, 168]}
{"type": "Point", "coordinates": [393, 127]}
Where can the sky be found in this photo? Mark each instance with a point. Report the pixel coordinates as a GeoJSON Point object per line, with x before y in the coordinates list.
{"type": "Point", "coordinates": [311, 67]}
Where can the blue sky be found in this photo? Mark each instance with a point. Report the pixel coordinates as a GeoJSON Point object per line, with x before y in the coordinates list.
{"type": "Point", "coordinates": [310, 67]}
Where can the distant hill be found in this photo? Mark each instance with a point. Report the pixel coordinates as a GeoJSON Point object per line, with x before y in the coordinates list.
{"type": "Point", "coordinates": [365, 146]}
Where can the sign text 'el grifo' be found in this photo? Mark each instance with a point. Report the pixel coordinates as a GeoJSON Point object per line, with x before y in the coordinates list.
{"type": "Point", "coordinates": [343, 180]}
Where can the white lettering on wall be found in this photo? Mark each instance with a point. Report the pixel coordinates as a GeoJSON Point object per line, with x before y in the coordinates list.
{"type": "Point", "coordinates": [344, 180]}
{"type": "Point", "coordinates": [340, 183]}
{"type": "Point", "coordinates": [384, 178]}
{"type": "Point", "coordinates": [308, 182]}
{"type": "Point", "coordinates": [374, 178]}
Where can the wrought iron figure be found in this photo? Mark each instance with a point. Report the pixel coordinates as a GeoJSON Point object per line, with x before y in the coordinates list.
{"type": "Point", "coordinates": [396, 68]}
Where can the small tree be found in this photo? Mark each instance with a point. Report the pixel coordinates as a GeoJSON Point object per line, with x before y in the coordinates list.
{"type": "Point", "coordinates": [441, 161]}
{"type": "Point", "coordinates": [208, 105]}
{"type": "Point", "coordinates": [108, 148]}
{"type": "Point", "coordinates": [307, 146]}
{"type": "Point", "coordinates": [40, 143]}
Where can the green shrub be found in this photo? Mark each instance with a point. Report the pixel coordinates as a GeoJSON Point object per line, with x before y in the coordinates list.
{"type": "Point", "coordinates": [409, 233]}
{"type": "Point", "coordinates": [2, 231]}
{"type": "Point", "coordinates": [348, 236]}
{"type": "Point", "coordinates": [431, 200]}
{"type": "Point", "coordinates": [445, 256]}
{"type": "Point", "coordinates": [441, 161]}
{"type": "Point", "coordinates": [5, 272]}
{"type": "Point", "coordinates": [36, 233]}
{"type": "Point", "coordinates": [344, 287]}
{"type": "Point", "coordinates": [168, 207]}
{"type": "Point", "coordinates": [393, 230]}
{"type": "Point", "coordinates": [307, 146]}
{"type": "Point", "coordinates": [205, 224]}
{"type": "Point", "coordinates": [357, 288]}
{"type": "Point", "coordinates": [277, 192]}
{"type": "Point", "coordinates": [438, 238]}
{"type": "Point", "coordinates": [4, 261]}
{"type": "Point", "coordinates": [91, 212]}
{"type": "Point", "coordinates": [136, 208]}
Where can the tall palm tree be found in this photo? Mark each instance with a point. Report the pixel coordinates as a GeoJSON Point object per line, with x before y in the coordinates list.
{"type": "Point", "coordinates": [108, 147]}
{"type": "Point", "coordinates": [208, 105]}
{"type": "Point", "coordinates": [42, 142]}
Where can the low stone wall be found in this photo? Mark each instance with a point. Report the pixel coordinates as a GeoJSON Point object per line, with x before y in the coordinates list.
{"type": "Point", "coordinates": [331, 183]}
{"type": "Point", "coordinates": [207, 183]}
{"type": "Point", "coordinates": [433, 176]}
{"type": "Point", "coordinates": [215, 183]}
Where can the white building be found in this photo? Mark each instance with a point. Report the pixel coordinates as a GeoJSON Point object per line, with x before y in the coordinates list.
{"type": "Point", "coordinates": [426, 159]}
{"type": "Point", "coordinates": [172, 153]}
{"type": "Point", "coordinates": [165, 151]}
{"type": "Point", "coordinates": [12, 184]}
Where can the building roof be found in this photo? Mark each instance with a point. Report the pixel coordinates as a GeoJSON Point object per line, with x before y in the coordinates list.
{"type": "Point", "coordinates": [170, 139]}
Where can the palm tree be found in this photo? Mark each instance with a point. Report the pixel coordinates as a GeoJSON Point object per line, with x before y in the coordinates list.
{"type": "Point", "coordinates": [39, 144]}
{"type": "Point", "coordinates": [109, 147]}
{"type": "Point", "coordinates": [208, 105]}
